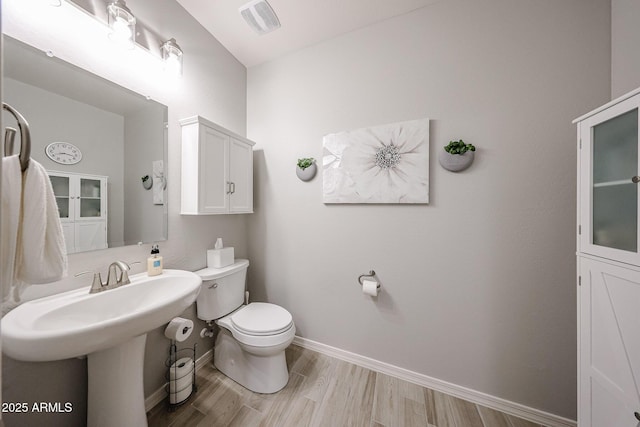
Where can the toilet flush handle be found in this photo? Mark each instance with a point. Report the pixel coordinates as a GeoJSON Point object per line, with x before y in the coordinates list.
{"type": "Point", "coordinates": [214, 285]}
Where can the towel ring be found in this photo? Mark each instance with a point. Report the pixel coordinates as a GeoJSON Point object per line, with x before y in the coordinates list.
{"type": "Point", "coordinates": [371, 274]}
{"type": "Point", "coordinates": [25, 137]}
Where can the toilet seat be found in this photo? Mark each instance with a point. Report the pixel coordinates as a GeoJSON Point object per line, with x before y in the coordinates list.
{"type": "Point", "coordinates": [260, 318]}
{"type": "Point", "coordinates": [259, 325]}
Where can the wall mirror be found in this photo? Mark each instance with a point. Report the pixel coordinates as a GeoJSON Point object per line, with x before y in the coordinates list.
{"type": "Point", "coordinates": [97, 140]}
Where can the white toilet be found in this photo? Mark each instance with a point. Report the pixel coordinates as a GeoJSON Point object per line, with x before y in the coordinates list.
{"type": "Point", "coordinates": [250, 345]}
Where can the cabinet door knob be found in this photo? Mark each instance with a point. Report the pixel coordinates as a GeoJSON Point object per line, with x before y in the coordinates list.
{"type": "Point", "coordinates": [637, 415]}
{"type": "Point", "coordinates": [233, 187]}
{"type": "Point", "coordinates": [228, 187]}
{"type": "Point", "coordinates": [635, 179]}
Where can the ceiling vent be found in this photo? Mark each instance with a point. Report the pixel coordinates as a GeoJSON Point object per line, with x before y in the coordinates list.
{"type": "Point", "coordinates": [260, 16]}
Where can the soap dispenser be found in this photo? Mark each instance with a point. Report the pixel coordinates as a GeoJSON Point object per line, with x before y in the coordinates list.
{"type": "Point", "coordinates": [154, 262]}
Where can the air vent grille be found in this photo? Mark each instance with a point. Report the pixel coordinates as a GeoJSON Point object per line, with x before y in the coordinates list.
{"type": "Point", "coordinates": [260, 16]}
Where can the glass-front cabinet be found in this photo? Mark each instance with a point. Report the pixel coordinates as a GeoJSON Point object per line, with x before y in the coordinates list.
{"type": "Point", "coordinates": [82, 206]}
{"type": "Point", "coordinates": [609, 182]}
{"type": "Point", "coordinates": [608, 282]}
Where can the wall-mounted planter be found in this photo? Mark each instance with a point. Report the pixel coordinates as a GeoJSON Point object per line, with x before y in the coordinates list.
{"type": "Point", "coordinates": [148, 183]}
{"type": "Point", "coordinates": [455, 162]}
{"type": "Point", "coordinates": [308, 173]}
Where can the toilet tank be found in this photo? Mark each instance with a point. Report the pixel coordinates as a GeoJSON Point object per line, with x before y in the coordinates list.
{"type": "Point", "coordinates": [222, 290]}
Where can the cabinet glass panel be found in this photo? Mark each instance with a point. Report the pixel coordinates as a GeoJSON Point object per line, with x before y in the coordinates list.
{"type": "Point", "coordinates": [90, 188]}
{"type": "Point", "coordinates": [63, 206]}
{"type": "Point", "coordinates": [90, 198]}
{"type": "Point", "coordinates": [615, 196]}
{"type": "Point", "coordinates": [89, 208]}
{"type": "Point", "coordinates": [60, 185]}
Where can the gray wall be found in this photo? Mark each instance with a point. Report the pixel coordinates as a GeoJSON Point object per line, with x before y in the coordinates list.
{"type": "Point", "coordinates": [479, 285]}
{"type": "Point", "coordinates": [144, 221]}
{"type": "Point", "coordinates": [213, 85]}
{"type": "Point", "coordinates": [625, 35]}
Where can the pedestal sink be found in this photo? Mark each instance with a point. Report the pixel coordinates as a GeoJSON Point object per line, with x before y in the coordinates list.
{"type": "Point", "coordinates": [109, 327]}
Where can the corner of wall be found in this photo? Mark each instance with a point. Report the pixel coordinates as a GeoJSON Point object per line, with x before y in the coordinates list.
{"type": "Point", "coordinates": [625, 33]}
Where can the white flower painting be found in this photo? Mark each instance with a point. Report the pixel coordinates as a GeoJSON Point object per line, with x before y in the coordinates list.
{"type": "Point", "coordinates": [382, 164]}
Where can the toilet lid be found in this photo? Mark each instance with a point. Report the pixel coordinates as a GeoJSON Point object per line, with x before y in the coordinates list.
{"type": "Point", "coordinates": [259, 318]}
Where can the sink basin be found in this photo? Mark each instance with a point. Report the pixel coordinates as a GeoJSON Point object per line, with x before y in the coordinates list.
{"type": "Point", "coordinates": [109, 327]}
{"type": "Point", "coordinates": [76, 323]}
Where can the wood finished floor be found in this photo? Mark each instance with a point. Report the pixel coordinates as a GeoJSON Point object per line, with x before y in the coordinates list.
{"type": "Point", "coordinates": [325, 392]}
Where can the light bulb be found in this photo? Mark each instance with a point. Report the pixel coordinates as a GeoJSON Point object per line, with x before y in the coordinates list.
{"type": "Point", "coordinates": [173, 64]}
{"type": "Point", "coordinates": [121, 30]}
{"type": "Point", "coordinates": [172, 56]}
{"type": "Point", "coordinates": [122, 23]}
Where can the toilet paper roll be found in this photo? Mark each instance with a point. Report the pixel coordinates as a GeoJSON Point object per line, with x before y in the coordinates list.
{"type": "Point", "coordinates": [178, 329]}
{"type": "Point", "coordinates": [180, 380]}
{"type": "Point", "coordinates": [180, 396]}
{"type": "Point", "coordinates": [181, 369]}
{"type": "Point", "coordinates": [370, 287]}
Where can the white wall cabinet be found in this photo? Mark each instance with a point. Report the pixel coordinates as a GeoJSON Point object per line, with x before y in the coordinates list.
{"type": "Point", "coordinates": [217, 169]}
{"type": "Point", "coordinates": [609, 265]}
{"type": "Point", "coordinates": [82, 206]}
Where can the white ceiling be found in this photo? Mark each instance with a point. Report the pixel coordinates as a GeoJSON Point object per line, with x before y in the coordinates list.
{"type": "Point", "coordinates": [304, 23]}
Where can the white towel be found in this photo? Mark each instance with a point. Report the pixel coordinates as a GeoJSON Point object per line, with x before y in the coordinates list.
{"type": "Point", "coordinates": [11, 192]}
{"type": "Point", "coordinates": [41, 255]}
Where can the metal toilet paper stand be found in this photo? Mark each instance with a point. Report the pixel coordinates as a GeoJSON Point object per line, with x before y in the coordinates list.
{"type": "Point", "coordinates": [173, 381]}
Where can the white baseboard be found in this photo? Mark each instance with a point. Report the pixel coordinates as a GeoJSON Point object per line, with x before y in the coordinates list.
{"type": "Point", "coordinates": [497, 403]}
{"type": "Point", "coordinates": [160, 394]}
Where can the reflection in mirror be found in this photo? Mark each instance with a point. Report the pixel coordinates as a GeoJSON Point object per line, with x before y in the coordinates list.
{"type": "Point", "coordinates": [97, 140]}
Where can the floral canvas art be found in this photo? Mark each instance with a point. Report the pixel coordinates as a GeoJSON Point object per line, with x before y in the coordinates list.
{"type": "Point", "coordinates": [381, 164]}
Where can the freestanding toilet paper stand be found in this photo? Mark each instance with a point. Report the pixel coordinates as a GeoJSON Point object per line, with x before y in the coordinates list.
{"type": "Point", "coordinates": [181, 375]}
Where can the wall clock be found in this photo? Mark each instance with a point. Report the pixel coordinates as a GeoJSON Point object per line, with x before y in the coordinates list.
{"type": "Point", "coordinates": [63, 153]}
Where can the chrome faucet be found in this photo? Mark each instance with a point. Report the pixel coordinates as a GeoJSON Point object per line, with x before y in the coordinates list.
{"type": "Point", "coordinates": [113, 279]}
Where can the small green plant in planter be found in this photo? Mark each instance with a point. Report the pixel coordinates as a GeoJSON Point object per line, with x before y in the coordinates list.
{"type": "Point", "coordinates": [458, 147]}
{"type": "Point", "coordinates": [457, 156]}
{"type": "Point", "coordinates": [306, 162]}
{"type": "Point", "coordinates": [306, 169]}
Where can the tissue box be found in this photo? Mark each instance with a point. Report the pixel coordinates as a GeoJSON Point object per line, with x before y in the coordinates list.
{"type": "Point", "coordinates": [218, 258]}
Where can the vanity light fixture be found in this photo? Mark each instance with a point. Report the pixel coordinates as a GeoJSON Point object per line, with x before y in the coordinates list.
{"type": "Point", "coordinates": [172, 56]}
{"type": "Point", "coordinates": [122, 22]}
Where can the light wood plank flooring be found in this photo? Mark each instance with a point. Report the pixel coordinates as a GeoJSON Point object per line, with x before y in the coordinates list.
{"type": "Point", "coordinates": [326, 392]}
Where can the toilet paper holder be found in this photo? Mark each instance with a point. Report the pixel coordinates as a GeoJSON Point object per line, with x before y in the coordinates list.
{"type": "Point", "coordinates": [371, 274]}
{"type": "Point", "coordinates": [180, 383]}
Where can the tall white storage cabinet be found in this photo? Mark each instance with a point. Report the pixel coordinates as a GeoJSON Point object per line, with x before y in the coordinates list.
{"type": "Point", "coordinates": [609, 265]}
{"type": "Point", "coordinates": [217, 169]}
{"type": "Point", "coordinates": [82, 205]}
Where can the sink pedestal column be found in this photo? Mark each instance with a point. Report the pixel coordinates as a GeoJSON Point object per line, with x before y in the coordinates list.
{"type": "Point", "coordinates": [116, 393]}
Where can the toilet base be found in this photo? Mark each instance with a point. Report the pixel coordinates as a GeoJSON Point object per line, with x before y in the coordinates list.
{"type": "Point", "coordinates": [263, 373]}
